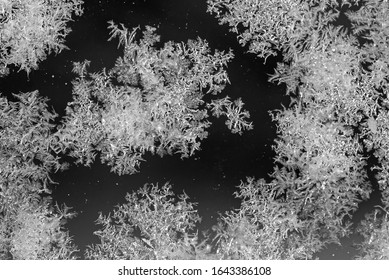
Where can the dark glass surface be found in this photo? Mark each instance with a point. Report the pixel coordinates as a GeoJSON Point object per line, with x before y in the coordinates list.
{"type": "Point", "coordinates": [210, 177]}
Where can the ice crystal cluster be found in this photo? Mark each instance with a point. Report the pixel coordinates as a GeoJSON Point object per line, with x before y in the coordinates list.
{"type": "Point", "coordinates": [151, 101]}
{"type": "Point", "coordinates": [338, 83]}
{"type": "Point", "coordinates": [32, 29]}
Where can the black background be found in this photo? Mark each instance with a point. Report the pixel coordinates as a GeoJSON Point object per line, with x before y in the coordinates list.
{"type": "Point", "coordinates": [210, 177]}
